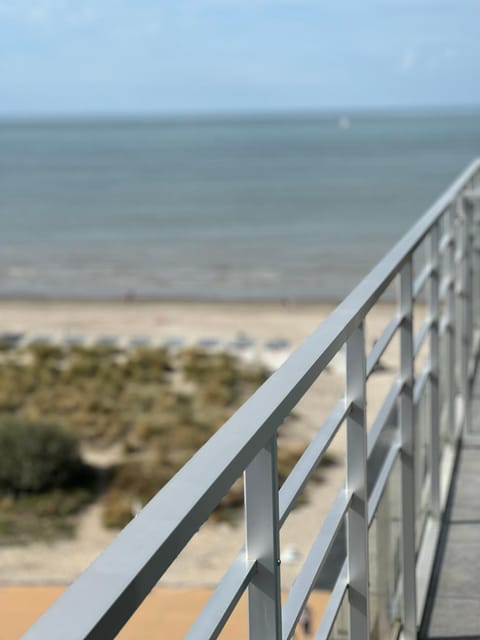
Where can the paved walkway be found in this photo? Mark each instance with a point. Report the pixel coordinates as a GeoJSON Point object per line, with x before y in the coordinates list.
{"type": "Point", "coordinates": [455, 595]}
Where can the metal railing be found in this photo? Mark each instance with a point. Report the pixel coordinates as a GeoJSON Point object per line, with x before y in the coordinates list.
{"type": "Point", "coordinates": [429, 409]}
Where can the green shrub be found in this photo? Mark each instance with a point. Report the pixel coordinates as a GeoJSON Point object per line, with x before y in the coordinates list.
{"type": "Point", "coordinates": [37, 457]}
{"type": "Point", "coordinates": [162, 408]}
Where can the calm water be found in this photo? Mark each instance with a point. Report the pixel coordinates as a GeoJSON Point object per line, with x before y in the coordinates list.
{"type": "Point", "coordinates": [292, 207]}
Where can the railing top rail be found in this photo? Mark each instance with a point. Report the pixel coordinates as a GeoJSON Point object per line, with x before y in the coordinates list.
{"type": "Point", "coordinates": [109, 591]}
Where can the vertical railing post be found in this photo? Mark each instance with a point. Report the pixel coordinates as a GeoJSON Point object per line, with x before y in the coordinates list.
{"type": "Point", "coordinates": [470, 211]}
{"type": "Point", "coordinates": [357, 514]}
{"type": "Point", "coordinates": [262, 544]}
{"type": "Point", "coordinates": [459, 315]}
{"type": "Point", "coordinates": [476, 273]}
{"type": "Point", "coordinates": [407, 454]}
{"type": "Point", "coordinates": [433, 308]}
{"type": "Point", "coordinates": [465, 307]}
{"type": "Point", "coordinates": [451, 381]}
{"type": "Point", "coordinates": [475, 264]}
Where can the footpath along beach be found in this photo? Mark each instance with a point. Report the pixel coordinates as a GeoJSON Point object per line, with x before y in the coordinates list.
{"type": "Point", "coordinates": [268, 332]}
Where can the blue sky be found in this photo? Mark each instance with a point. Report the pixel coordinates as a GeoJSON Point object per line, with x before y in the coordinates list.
{"type": "Point", "coordinates": [153, 56]}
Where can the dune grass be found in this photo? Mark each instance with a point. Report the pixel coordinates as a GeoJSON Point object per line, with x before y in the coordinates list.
{"type": "Point", "coordinates": [159, 406]}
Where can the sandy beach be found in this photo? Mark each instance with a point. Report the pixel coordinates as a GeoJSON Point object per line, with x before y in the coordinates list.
{"type": "Point", "coordinates": [161, 320]}
{"type": "Point", "coordinates": [165, 613]}
{"type": "Point", "coordinates": [208, 554]}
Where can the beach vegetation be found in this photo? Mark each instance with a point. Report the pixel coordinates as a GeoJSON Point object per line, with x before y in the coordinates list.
{"type": "Point", "coordinates": [43, 480]}
{"type": "Point", "coordinates": [159, 406]}
{"type": "Point", "coordinates": [37, 457]}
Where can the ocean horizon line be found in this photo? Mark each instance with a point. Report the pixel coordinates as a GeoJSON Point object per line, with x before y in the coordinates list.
{"type": "Point", "coordinates": [250, 115]}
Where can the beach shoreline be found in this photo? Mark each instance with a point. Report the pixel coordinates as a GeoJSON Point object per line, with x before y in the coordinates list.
{"type": "Point", "coordinates": [158, 317]}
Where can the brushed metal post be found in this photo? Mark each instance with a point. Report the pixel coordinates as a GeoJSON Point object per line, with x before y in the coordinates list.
{"type": "Point", "coordinates": [407, 461]}
{"type": "Point", "coordinates": [465, 310]}
{"type": "Point", "coordinates": [451, 380]}
{"type": "Point", "coordinates": [262, 544]}
{"type": "Point", "coordinates": [357, 514]}
{"type": "Point", "coordinates": [470, 257]}
{"type": "Point", "coordinates": [433, 307]}
{"type": "Point", "coordinates": [476, 273]}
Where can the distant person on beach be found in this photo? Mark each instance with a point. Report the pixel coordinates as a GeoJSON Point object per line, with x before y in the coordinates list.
{"type": "Point", "coordinates": [305, 622]}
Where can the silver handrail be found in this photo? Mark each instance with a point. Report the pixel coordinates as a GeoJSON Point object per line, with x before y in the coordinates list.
{"type": "Point", "coordinates": [105, 596]}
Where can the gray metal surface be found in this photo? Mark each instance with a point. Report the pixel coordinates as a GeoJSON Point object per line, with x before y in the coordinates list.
{"type": "Point", "coordinates": [305, 581]}
{"type": "Point", "coordinates": [451, 380]}
{"type": "Point", "coordinates": [434, 313]}
{"type": "Point", "coordinates": [407, 455]}
{"type": "Point", "coordinates": [99, 603]}
{"type": "Point", "coordinates": [262, 543]}
{"type": "Point", "coordinates": [356, 464]}
{"type": "Point", "coordinates": [215, 614]}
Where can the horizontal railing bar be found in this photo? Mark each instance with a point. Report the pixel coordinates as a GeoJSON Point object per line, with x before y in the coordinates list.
{"type": "Point", "coordinates": [472, 195]}
{"type": "Point", "coordinates": [446, 241]}
{"type": "Point", "coordinates": [445, 325]}
{"type": "Point", "coordinates": [459, 420]}
{"type": "Point", "coordinates": [305, 581]}
{"type": "Point", "coordinates": [306, 465]}
{"type": "Point", "coordinates": [381, 481]}
{"type": "Point", "coordinates": [447, 282]}
{"type": "Point", "coordinates": [460, 290]}
{"type": "Point", "coordinates": [471, 369]}
{"type": "Point", "coordinates": [473, 359]}
{"type": "Point", "coordinates": [420, 382]}
{"type": "Point", "coordinates": [123, 575]}
{"type": "Point", "coordinates": [421, 280]}
{"type": "Point", "coordinates": [476, 344]}
{"type": "Point", "coordinates": [384, 413]}
{"type": "Point", "coordinates": [223, 600]}
{"type": "Point", "coordinates": [382, 343]}
{"type": "Point", "coordinates": [421, 336]}
{"type": "Point", "coordinates": [334, 604]}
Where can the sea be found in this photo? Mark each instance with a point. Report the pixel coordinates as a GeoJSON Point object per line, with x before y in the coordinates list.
{"type": "Point", "coordinates": [274, 207]}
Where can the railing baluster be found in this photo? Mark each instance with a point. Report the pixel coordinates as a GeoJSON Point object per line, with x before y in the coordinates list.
{"type": "Point", "coordinates": [459, 316]}
{"type": "Point", "coordinates": [470, 297]}
{"type": "Point", "coordinates": [465, 309]}
{"type": "Point", "coordinates": [476, 272]}
{"type": "Point", "coordinates": [407, 454]}
{"type": "Point", "coordinates": [451, 381]}
{"type": "Point", "coordinates": [262, 544]}
{"type": "Point", "coordinates": [357, 516]}
{"type": "Point", "coordinates": [433, 308]}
